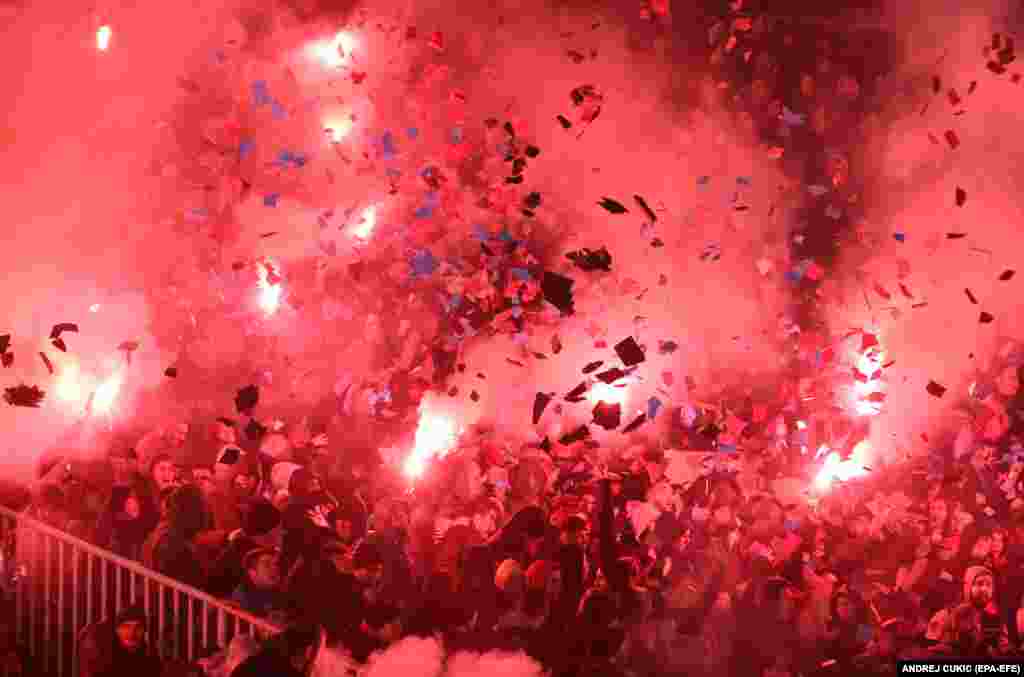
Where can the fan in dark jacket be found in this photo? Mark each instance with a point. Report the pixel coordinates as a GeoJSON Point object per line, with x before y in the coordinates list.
{"type": "Point", "coordinates": [259, 518]}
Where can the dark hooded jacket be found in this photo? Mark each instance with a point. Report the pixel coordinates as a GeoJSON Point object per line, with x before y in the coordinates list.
{"type": "Point", "coordinates": [302, 537]}
{"type": "Point", "coordinates": [169, 550]}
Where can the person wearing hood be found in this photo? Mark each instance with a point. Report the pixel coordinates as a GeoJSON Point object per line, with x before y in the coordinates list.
{"type": "Point", "coordinates": [974, 627]}
{"type": "Point", "coordinates": [292, 653]}
{"type": "Point", "coordinates": [118, 648]}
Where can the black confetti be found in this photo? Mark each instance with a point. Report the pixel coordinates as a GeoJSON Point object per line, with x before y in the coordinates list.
{"type": "Point", "coordinates": [576, 393]}
{"type": "Point", "coordinates": [24, 396]}
{"type": "Point", "coordinates": [961, 196]}
{"type": "Point", "coordinates": [59, 329]}
{"type": "Point", "coordinates": [7, 359]}
{"type": "Point", "coordinates": [971, 297]}
{"type": "Point", "coordinates": [5, 342]}
{"type": "Point", "coordinates": [612, 207]}
{"type": "Point", "coordinates": [590, 261]}
{"type": "Point", "coordinates": [46, 361]}
{"type": "Point", "coordinates": [171, 372]}
{"type": "Point", "coordinates": [985, 318]}
{"type": "Point", "coordinates": [610, 376]}
{"type": "Point", "coordinates": [564, 121]}
{"type": "Point", "coordinates": [667, 347]}
{"type": "Point", "coordinates": [59, 345]}
{"type": "Point", "coordinates": [955, 236]}
{"type": "Point", "coordinates": [592, 366]}
{"type": "Point", "coordinates": [629, 352]}
{"type": "Point", "coordinates": [634, 424]}
{"type": "Point", "coordinates": [540, 402]}
{"type": "Point", "coordinates": [608, 415]}
{"type": "Point", "coordinates": [578, 435]}
{"type": "Point", "coordinates": [1007, 275]}
{"type": "Point", "coordinates": [647, 210]}
{"type": "Point", "coordinates": [935, 390]}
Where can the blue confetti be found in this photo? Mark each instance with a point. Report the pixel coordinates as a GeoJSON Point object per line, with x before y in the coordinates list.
{"type": "Point", "coordinates": [245, 147]}
{"type": "Point", "coordinates": [900, 237]}
{"type": "Point", "coordinates": [271, 199]}
{"type": "Point", "coordinates": [424, 212]}
{"type": "Point", "coordinates": [278, 111]}
{"type": "Point", "coordinates": [412, 133]}
{"type": "Point", "coordinates": [792, 525]}
{"type": "Point", "coordinates": [481, 233]}
{"type": "Point", "coordinates": [793, 275]}
{"type": "Point", "coordinates": [727, 448]}
{"type": "Point", "coordinates": [653, 406]}
{"type": "Point", "coordinates": [260, 93]}
{"type": "Point", "coordinates": [387, 145]}
{"type": "Point", "coordinates": [520, 273]}
{"type": "Point", "coordinates": [504, 235]}
{"type": "Point", "coordinates": [423, 263]}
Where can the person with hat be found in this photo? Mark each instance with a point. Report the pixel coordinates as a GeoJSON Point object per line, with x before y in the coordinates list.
{"type": "Point", "coordinates": [117, 647]}
{"type": "Point", "coordinates": [260, 593]}
{"type": "Point", "coordinates": [975, 626]}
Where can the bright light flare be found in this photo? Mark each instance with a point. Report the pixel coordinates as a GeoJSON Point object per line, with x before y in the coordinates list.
{"type": "Point", "coordinates": [335, 52]}
{"type": "Point", "coordinates": [69, 384]}
{"type": "Point", "coordinates": [338, 128]}
{"type": "Point", "coordinates": [607, 393]}
{"type": "Point", "coordinates": [367, 221]}
{"type": "Point", "coordinates": [106, 394]}
{"type": "Point", "coordinates": [837, 469]}
{"type": "Point", "coordinates": [435, 437]}
{"type": "Point", "coordinates": [269, 294]}
{"type": "Point", "coordinates": [103, 35]}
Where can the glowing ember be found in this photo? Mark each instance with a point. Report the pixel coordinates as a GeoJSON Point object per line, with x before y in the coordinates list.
{"type": "Point", "coordinates": [106, 394]}
{"type": "Point", "coordinates": [334, 53]}
{"type": "Point", "coordinates": [270, 294]}
{"type": "Point", "coordinates": [837, 469]}
{"type": "Point", "coordinates": [103, 35]}
{"type": "Point", "coordinates": [367, 220]}
{"type": "Point", "coordinates": [609, 394]}
{"type": "Point", "coordinates": [435, 436]}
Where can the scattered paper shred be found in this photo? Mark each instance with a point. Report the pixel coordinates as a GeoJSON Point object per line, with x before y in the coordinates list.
{"type": "Point", "coordinates": [961, 196]}
{"type": "Point", "coordinates": [612, 206]}
{"type": "Point", "coordinates": [935, 390]}
{"type": "Point", "coordinates": [970, 296]}
{"type": "Point", "coordinates": [1007, 275]}
{"type": "Point", "coordinates": [629, 352]}
{"type": "Point", "coordinates": [952, 139]}
{"type": "Point", "coordinates": [24, 396]}
{"type": "Point", "coordinates": [634, 424]}
{"type": "Point", "coordinates": [46, 361]}
{"type": "Point", "coordinates": [592, 366]}
{"type": "Point", "coordinates": [644, 206]}
{"type": "Point", "coordinates": [608, 415]}
{"type": "Point", "coordinates": [59, 329]}
{"type": "Point", "coordinates": [985, 318]}
{"type": "Point", "coordinates": [171, 372]}
{"type": "Point", "coordinates": [246, 399]}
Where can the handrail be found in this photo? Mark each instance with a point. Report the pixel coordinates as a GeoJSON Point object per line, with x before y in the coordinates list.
{"type": "Point", "coordinates": [145, 572]}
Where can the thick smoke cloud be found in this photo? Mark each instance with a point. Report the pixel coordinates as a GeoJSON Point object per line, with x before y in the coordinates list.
{"type": "Point", "coordinates": [120, 200]}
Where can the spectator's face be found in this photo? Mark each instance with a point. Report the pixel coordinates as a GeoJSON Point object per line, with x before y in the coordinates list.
{"type": "Point", "coordinates": [981, 591]}
{"type": "Point", "coordinates": [131, 635]}
{"type": "Point", "coordinates": [164, 475]}
{"type": "Point", "coordinates": [1008, 382]}
{"type": "Point", "coordinates": [265, 573]}
{"type": "Point", "coordinates": [203, 477]}
{"type": "Point", "coordinates": [132, 508]}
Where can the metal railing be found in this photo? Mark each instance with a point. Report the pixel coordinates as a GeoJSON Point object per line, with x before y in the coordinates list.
{"type": "Point", "coordinates": [65, 584]}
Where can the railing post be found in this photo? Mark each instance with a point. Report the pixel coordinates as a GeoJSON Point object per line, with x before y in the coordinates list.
{"type": "Point", "coordinates": [61, 573]}
{"type": "Point", "coordinates": [47, 617]}
{"type": "Point", "coordinates": [90, 580]}
{"type": "Point", "coordinates": [75, 593]}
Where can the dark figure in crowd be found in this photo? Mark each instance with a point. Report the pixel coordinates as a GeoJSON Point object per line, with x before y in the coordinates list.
{"type": "Point", "coordinates": [290, 654]}
{"type": "Point", "coordinates": [259, 518]}
{"type": "Point", "coordinates": [126, 521]}
{"type": "Point", "coordinates": [169, 549]}
{"type": "Point", "coordinates": [118, 648]}
{"type": "Point", "coordinates": [259, 592]}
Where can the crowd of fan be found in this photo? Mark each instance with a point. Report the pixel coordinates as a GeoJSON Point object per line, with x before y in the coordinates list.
{"type": "Point", "coordinates": [539, 550]}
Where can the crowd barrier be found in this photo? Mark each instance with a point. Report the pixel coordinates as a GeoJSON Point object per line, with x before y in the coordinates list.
{"type": "Point", "coordinates": [61, 585]}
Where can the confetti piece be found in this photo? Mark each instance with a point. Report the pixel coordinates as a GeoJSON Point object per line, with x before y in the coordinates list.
{"type": "Point", "coordinates": [955, 236]}
{"type": "Point", "coordinates": [608, 415]}
{"type": "Point", "coordinates": [592, 366]}
{"type": "Point", "coordinates": [564, 121]}
{"type": "Point", "coordinates": [171, 372]}
{"type": "Point", "coordinates": [246, 399]}
{"type": "Point", "coordinates": [46, 361]}
{"type": "Point", "coordinates": [971, 296]}
{"type": "Point", "coordinates": [961, 196]}
{"type": "Point", "coordinates": [7, 359]}
{"type": "Point", "coordinates": [985, 318]}
{"type": "Point", "coordinates": [59, 329]}
{"type": "Point", "coordinates": [900, 237]}
{"type": "Point", "coordinates": [24, 396]}
{"type": "Point", "coordinates": [612, 207]}
{"type": "Point", "coordinates": [634, 424]}
{"type": "Point", "coordinates": [935, 390]}
{"type": "Point", "coordinates": [644, 206]}
{"type": "Point", "coordinates": [1007, 275]}
{"type": "Point", "coordinates": [59, 345]}
{"type": "Point", "coordinates": [952, 139]}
